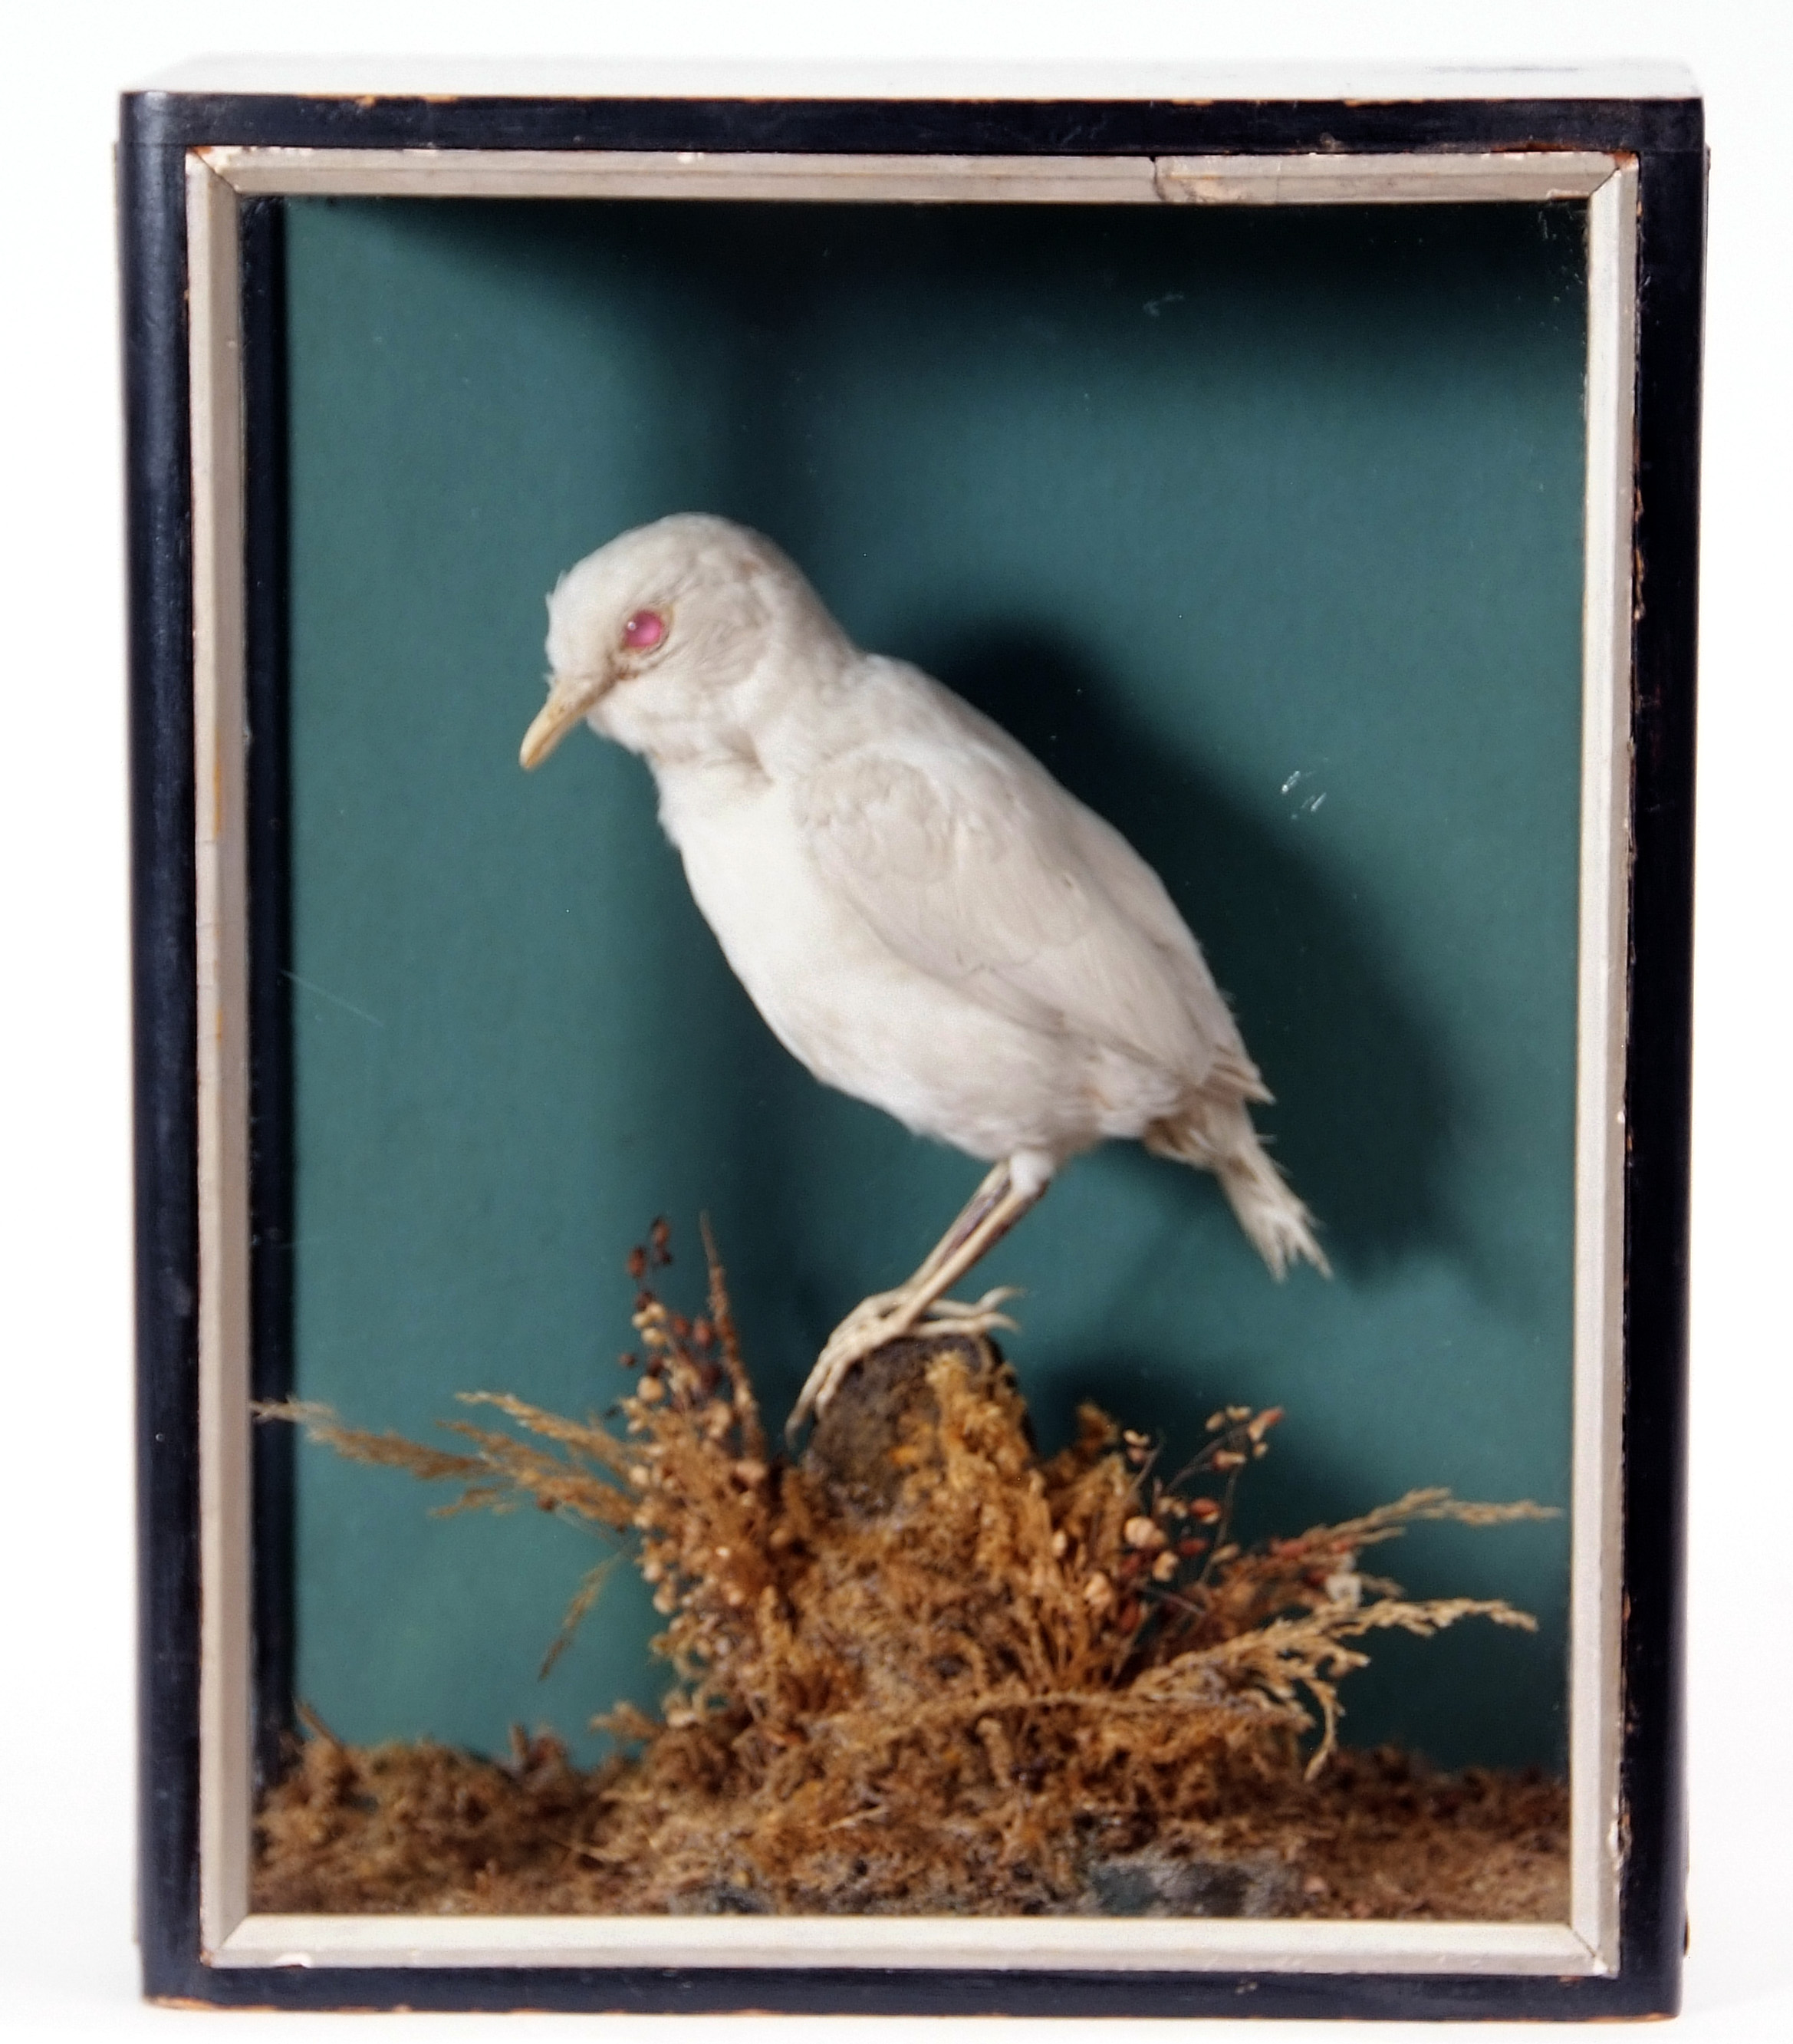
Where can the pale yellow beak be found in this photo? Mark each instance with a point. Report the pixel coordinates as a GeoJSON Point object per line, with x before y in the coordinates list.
{"type": "Point", "coordinates": [569, 698]}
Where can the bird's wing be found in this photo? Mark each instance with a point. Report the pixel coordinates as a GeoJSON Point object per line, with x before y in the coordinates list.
{"type": "Point", "coordinates": [970, 862]}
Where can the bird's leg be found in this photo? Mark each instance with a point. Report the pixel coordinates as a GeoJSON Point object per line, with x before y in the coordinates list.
{"type": "Point", "coordinates": [1006, 1194]}
{"type": "Point", "coordinates": [875, 1312]}
{"type": "Point", "coordinates": [982, 1202]}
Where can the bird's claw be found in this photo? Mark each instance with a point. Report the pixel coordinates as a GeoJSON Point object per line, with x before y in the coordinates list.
{"type": "Point", "coordinates": [888, 1316]}
{"type": "Point", "coordinates": [980, 1316]}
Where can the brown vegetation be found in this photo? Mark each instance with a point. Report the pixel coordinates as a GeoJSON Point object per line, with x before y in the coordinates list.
{"type": "Point", "coordinates": [922, 1670]}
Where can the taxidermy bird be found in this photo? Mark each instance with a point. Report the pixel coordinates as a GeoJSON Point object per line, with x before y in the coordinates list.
{"type": "Point", "coordinates": [923, 916]}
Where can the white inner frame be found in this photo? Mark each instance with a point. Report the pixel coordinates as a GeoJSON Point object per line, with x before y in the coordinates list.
{"type": "Point", "coordinates": [1588, 1943]}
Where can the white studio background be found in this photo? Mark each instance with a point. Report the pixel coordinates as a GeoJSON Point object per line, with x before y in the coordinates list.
{"type": "Point", "coordinates": [67, 1766]}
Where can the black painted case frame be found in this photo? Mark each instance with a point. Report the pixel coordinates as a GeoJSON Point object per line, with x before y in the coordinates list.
{"type": "Point", "coordinates": [1665, 139]}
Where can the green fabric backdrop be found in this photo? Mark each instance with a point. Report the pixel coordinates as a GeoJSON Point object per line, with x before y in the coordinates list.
{"type": "Point", "coordinates": [1263, 529]}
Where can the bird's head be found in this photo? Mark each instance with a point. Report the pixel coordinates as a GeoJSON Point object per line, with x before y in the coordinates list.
{"type": "Point", "coordinates": [674, 637]}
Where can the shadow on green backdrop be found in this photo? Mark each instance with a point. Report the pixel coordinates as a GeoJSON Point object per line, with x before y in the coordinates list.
{"type": "Point", "coordinates": [1262, 528]}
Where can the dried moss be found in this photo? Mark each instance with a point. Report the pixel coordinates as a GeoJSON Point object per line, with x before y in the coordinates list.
{"type": "Point", "coordinates": [425, 1829]}
{"type": "Point", "coordinates": [923, 1670]}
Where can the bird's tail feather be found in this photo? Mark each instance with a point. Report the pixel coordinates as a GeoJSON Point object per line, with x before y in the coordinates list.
{"type": "Point", "coordinates": [1222, 1140]}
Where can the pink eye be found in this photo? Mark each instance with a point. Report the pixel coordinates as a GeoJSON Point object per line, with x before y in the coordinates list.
{"type": "Point", "coordinates": [646, 627]}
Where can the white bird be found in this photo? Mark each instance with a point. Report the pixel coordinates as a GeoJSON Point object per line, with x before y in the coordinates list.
{"type": "Point", "coordinates": [923, 916]}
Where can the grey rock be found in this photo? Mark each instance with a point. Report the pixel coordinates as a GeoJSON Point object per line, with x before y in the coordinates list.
{"type": "Point", "coordinates": [1153, 1883]}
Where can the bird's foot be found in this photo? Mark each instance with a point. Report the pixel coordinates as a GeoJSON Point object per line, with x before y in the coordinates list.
{"type": "Point", "coordinates": [955, 1316]}
{"type": "Point", "coordinates": [888, 1316]}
